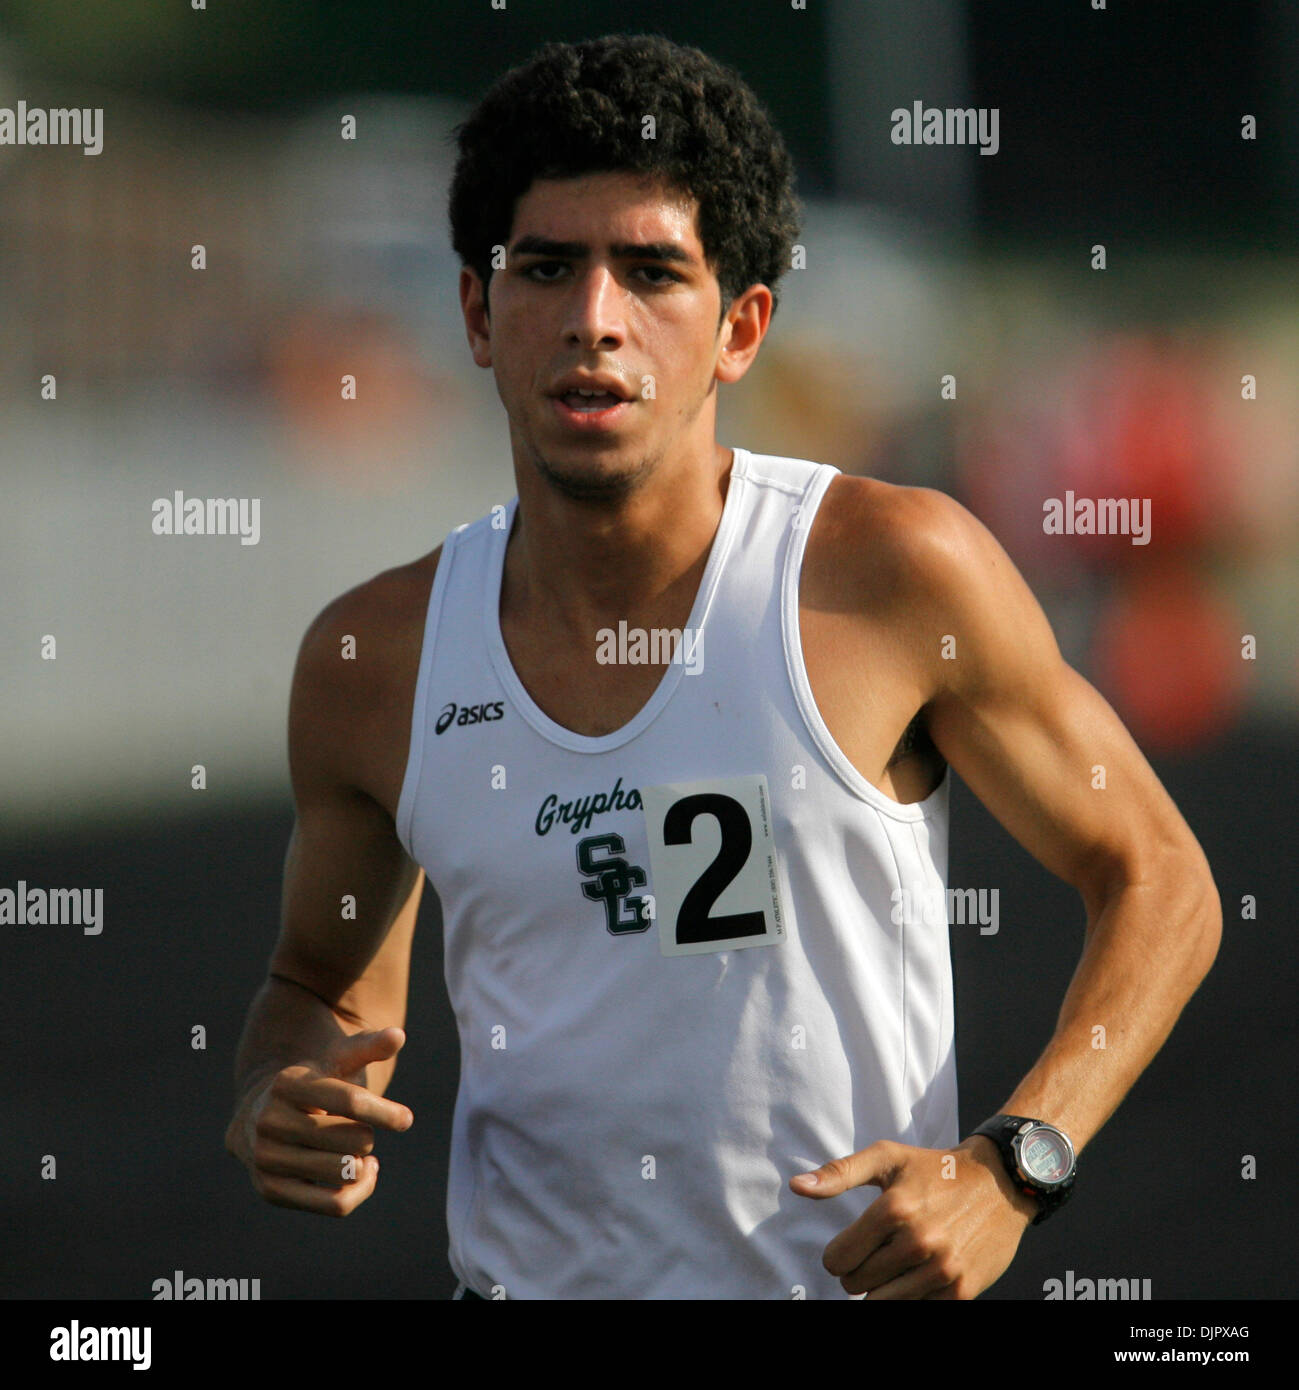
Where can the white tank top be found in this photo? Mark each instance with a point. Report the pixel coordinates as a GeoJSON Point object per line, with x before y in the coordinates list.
{"type": "Point", "coordinates": [628, 1119]}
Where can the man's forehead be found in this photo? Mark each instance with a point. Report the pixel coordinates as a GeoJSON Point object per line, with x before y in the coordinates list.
{"type": "Point", "coordinates": [603, 208]}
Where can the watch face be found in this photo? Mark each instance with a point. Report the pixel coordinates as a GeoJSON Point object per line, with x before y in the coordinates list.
{"type": "Point", "coordinates": [1045, 1155]}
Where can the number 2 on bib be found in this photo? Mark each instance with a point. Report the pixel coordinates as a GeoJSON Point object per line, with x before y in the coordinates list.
{"type": "Point", "coordinates": [713, 864]}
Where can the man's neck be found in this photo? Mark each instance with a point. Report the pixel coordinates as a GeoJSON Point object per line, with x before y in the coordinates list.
{"type": "Point", "coordinates": [575, 567]}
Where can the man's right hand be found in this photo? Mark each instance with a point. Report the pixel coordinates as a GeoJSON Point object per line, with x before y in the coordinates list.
{"type": "Point", "coordinates": [298, 1129]}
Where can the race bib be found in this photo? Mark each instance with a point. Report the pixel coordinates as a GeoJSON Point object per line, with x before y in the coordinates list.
{"type": "Point", "coordinates": [713, 861]}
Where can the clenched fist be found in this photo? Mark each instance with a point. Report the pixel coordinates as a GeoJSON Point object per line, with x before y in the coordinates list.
{"type": "Point", "coordinates": [306, 1132]}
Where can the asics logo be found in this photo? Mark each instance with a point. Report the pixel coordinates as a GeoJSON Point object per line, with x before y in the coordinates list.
{"type": "Point", "coordinates": [468, 714]}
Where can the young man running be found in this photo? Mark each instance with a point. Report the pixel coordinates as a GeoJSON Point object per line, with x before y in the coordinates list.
{"type": "Point", "coordinates": [674, 879]}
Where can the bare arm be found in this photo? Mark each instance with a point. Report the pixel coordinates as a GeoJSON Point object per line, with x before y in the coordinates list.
{"type": "Point", "coordinates": [340, 968]}
{"type": "Point", "coordinates": [1044, 751]}
{"type": "Point", "coordinates": [330, 977]}
{"type": "Point", "coordinates": [1050, 759]}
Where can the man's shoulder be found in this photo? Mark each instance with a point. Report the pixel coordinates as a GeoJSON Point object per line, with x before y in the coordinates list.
{"type": "Point", "coordinates": [359, 656]}
{"type": "Point", "coordinates": [887, 541]}
{"type": "Point", "coordinates": [380, 609]}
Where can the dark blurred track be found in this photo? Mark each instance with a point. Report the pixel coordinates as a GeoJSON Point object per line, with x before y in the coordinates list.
{"type": "Point", "coordinates": [103, 1076]}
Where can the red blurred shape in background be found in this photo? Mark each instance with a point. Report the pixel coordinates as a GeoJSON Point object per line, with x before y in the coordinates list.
{"type": "Point", "coordinates": [1167, 654]}
{"type": "Point", "coordinates": [1144, 429]}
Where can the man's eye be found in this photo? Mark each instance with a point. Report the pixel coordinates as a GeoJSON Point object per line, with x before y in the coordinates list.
{"type": "Point", "coordinates": [531, 271]}
{"type": "Point", "coordinates": [659, 275]}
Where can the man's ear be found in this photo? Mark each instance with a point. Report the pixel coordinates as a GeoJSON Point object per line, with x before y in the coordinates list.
{"type": "Point", "coordinates": [743, 327]}
{"type": "Point", "coordinates": [478, 325]}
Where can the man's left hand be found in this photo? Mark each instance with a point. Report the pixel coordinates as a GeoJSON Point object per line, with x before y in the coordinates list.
{"type": "Point", "coordinates": [928, 1235]}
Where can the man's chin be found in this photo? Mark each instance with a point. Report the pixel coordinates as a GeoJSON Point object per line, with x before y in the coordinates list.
{"type": "Point", "coordinates": [591, 480]}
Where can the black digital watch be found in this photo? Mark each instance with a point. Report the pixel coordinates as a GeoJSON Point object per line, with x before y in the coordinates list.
{"type": "Point", "coordinates": [1038, 1156]}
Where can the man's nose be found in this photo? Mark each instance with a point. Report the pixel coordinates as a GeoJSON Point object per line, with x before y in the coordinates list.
{"type": "Point", "coordinates": [594, 316]}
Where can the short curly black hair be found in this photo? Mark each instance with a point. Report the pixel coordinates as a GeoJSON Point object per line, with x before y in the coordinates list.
{"type": "Point", "coordinates": [580, 108]}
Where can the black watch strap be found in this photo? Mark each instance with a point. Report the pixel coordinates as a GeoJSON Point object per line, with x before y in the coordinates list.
{"type": "Point", "coordinates": [1001, 1129]}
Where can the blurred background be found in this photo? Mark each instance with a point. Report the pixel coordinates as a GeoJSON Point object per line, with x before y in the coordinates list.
{"type": "Point", "coordinates": [1114, 293]}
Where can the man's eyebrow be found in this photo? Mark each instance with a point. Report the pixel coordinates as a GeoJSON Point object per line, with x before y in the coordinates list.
{"type": "Point", "coordinates": [623, 250]}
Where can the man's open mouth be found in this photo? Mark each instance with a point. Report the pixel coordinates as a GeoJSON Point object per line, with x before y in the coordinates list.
{"type": "Point", "coordinates": [591, 412]}
{"type": "Point", "coordinates": [590, 400]}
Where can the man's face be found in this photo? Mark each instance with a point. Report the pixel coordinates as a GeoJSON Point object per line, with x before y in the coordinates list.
{"type": "Point", "coordinates": [605, 276]}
